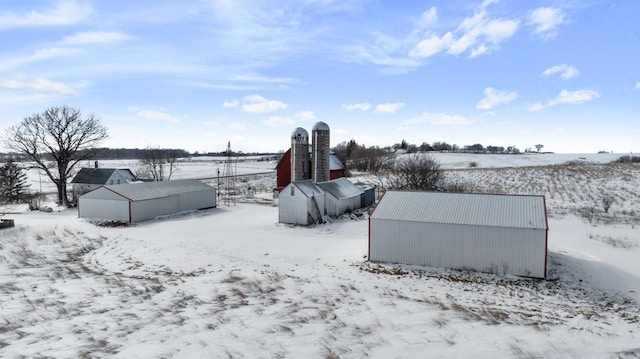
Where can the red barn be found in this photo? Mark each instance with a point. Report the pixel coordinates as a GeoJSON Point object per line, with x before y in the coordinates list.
{"type": "Point", "coordinates": [283, 169]}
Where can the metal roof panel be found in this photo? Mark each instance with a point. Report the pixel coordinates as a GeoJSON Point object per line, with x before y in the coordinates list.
{"type": "Point", "coordinates": [516, 211]}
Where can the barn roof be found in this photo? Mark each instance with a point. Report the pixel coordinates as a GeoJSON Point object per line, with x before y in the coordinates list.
{"type": "Point", "coordinates": [334, 162]}
{"type": "Point", "coordinates": [341, 188]}
{"type": "Point", "coordinates": [514, 211]}
{"type": "Point", "coordinates": [96, 175]}
{"type": "Point", "coordinates": [308, 187]}
{"type": "Point", "coordinates": [148, 190]}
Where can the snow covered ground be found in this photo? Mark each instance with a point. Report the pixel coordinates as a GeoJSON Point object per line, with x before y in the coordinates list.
{"type": "Point", "coordinates": [230, 282]}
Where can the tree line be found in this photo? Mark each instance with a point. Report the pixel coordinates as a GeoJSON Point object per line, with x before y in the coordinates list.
{"type": "Point", "coordinates": [359, 157]}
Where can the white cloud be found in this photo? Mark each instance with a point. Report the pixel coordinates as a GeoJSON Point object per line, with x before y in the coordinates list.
{"type": "Point", "coordinates": [363, 106]}
{"type": "Point", "coordinates": [538, 106]}
{"type": "Point", "coordinates": [153, 114]}
{"type": "Point", "coordinates": [235, 103]}
{"type": "Point", "coordinates": [566, 71]}
{"type": "Point", "coordinates": [546, 20]}
{"type": "Point", "coordinates": [432, 45]}
{"type": "Point", "coordinates": [279, 121]}
{"type": "Point", "coordinates": [637, 85]}
{"type": "Point", "coordinates": [64, 12]}
{"type": "Point", "coordinates": [39, 85]}
{"type": "Point", "coordinates": [567, 97]}
{"type": "Point", "coordinates": [38, 55]}
{"type": "Point", "coordinates": [389, 107]}
{"type": "Point", "coordinates": [475, 35]}
{"type": "Point", "coordinates": [306, 116]}
{"type": "Point", "coordinates": [94, 37]}
{"type": "Point", "coordinates": [493, 97]}
{"type": "Point", "coordinates": [445, 119]}
{"type": "Point", "coordinates": [575, 97]}
{"type": "Point", "coordinates": [478, 34]}
{"type": "Point", "coordinates": [428, 18]}
{"type": "Point", "coordinates": [436, 119]}
{"type": "Point", "coordinates": [256, 104]}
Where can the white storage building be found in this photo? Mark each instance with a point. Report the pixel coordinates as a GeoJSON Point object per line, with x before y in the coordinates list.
{"type": "Point", "coordinates": [342, 196]}
{"type": "Point", "coordinates": [137, 202]}
{"type": "Point", "coordinates": [301, 202]}
{"type": "Point", "coordinates": [505, 234]}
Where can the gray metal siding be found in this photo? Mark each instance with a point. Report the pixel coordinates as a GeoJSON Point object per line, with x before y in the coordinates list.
{"type": "Point", "coordinates": [293, 209]}
{"type": "Point", "coordinates": [338, 206]}
{"type": "Point", "coordinates": [103, 193]}
{"type": "Point", "coordinates": [100, 203]}
{"type": "Point", "coordinates": [152, 208]}
{"type": "Point", "coordinates": [368, 197]}
{"type": "Point", "coordinates": [461, 208]}
{"type": "Point", "coordinates": [481, 248]}
{"type": "Point", "coordinates": [109, 209]}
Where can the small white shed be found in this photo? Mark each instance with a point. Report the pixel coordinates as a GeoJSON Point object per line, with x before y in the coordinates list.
{"type": "Point", "coordinates": [504, 234]}
{"type": "Point", "coordinates": [137, 202]}
{"type": "Point", "coordinates": [342, 196]}
{"type": "Point", "coordinates": [301, 202]}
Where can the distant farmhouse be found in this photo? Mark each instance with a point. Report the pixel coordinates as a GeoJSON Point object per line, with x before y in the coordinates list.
{"type": "Point", "coordinates": [310, 192]}
{"type": "Point", "coordinates": [503, 234]}
{"type": "Point", "coordinates": [88, 179]}
{"type": "Point", "coordinates": [137, 202]}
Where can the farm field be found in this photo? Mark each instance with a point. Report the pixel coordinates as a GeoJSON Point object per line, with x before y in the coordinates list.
{"type": "Point", "coordinates": [230, 282]}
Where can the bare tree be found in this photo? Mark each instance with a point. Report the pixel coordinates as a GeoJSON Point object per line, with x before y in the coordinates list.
{"type": "Point", "coordinates": [538, 147]}
{"type": "Point", "coordinates": [157, 164]}
{"type": "Point", "coordinates": [56, 140]}
{"type": "Point", "coordinates": [607, 201]}
{"type": "Point", "coordinates": [415, 172]}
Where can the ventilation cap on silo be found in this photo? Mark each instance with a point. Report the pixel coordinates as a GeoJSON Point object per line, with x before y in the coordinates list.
{"type": "Point", "coordinates": [299, 132]}
{"type": "Point", "coordinates": [320, 126]}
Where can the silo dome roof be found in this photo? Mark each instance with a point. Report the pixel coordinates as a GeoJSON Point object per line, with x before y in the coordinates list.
{"type": "Point", "coordinates": [320, 126]}
{"type": "Point", "coordinates": [299, 132]}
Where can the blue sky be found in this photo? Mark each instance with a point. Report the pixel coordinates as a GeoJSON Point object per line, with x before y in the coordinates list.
{"type": "Point", "coordinates": [196, 74]}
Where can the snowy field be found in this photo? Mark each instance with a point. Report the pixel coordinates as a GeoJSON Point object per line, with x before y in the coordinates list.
{"type": "Point", "coordinates": [230, 282]}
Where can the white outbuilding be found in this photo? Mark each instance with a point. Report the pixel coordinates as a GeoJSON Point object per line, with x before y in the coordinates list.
{"type": "Point", "coordinates": [301, 202]}
{"type": "Point", "coordinates": [504, 234]}
{"type": "Point", "coordinates": [137, 202]}
{"type": "Point", "coordinates": [342, 196]}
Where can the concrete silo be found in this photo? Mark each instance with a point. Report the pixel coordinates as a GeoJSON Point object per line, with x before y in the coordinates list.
{"type": "Point", "coordinates": [300, 155]}
{"type": "Point", "coordinates": [320, 143]}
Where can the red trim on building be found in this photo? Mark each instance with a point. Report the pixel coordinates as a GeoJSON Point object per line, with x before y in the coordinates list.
{"type": "Point", "coordinates": [546, 236]}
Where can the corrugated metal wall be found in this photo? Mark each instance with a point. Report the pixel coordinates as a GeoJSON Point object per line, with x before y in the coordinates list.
{"type": "Point", "coordinates": [152, 208]}
{"type": "Point", "coordinates": [110, 209]}
{"type": "Point", "coordinates": [514, 251]}
{"type": "Point", "coordinates": [368, 197]}
{"type": "Point", "coordinates": [149, 209]}
{"type": "Point", "coordinates": [336, 207]}
{"type": "Point", "coordinates": [295, 209]}
{"type": "Point", "coordinates": [105, 204]}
